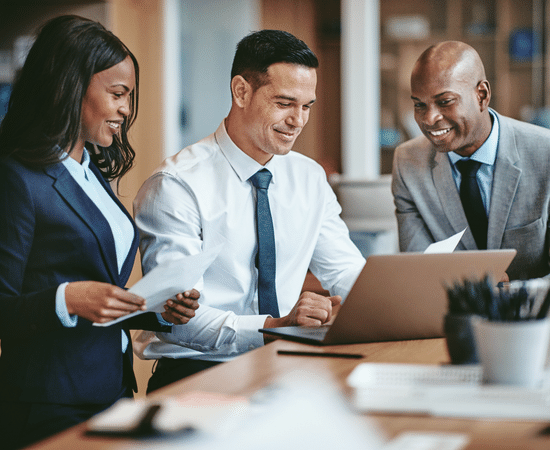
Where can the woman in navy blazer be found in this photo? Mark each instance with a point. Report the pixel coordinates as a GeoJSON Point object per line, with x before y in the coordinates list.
{"type": "Point", "coordinates": [67, 245]}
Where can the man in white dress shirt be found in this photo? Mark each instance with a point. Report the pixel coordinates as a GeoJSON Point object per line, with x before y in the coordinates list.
{"type": "Point", "coordinates": [203, 196]}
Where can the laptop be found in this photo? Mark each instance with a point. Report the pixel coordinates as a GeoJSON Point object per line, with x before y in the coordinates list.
{"type": "Point", "coordinates": [400, 296]}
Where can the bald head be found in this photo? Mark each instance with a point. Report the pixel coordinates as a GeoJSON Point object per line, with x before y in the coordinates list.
{"type": "Point", "coordinates": [451, 97]}
{"type": "Point", "coordinates": [450, 58]}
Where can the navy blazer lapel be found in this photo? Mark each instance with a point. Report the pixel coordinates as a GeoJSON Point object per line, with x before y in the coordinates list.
{"type": "Point", "coordinates": [92, 217]}
{"type": "Point", "coordinates": [450, 199]}
{"type": "Point", "coordinates": [505, 183]}
{"type": "Point", "coordinates": [129, 262]}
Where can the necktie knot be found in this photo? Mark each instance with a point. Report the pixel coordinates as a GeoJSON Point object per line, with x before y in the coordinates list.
{"type": "Point", "coordinates": [261, 179]}
{"type": "Point", "coordinates": [468, 167]}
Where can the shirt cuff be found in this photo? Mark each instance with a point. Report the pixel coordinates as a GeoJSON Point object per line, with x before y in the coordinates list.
{"type": "Point", "coordinates": [163, 322]}
{"type": "Point", "coordinates": [67, 320]}
{"type": "Point", "coordinates": [248, 336]}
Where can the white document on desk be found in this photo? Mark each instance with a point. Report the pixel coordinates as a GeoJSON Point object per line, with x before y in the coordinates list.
{"type": "Point", "coordinates": [202, 411]}
{"type": "Point", "coordinates": [444, 391]}
{"type": "Point", "coordinates": [168, 279]}
{"type": "Point", "coordinates": [447, 245]}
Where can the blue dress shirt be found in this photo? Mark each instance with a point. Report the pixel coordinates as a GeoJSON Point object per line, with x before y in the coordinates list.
{"type": "Point", "coordinates": [486, 155]}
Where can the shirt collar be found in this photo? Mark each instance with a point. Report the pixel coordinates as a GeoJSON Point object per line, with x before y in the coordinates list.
{"type": "Point", "coordinates": [243, 165]}
{"type": "Point", "coordinates": [73, 166]}
{"type": "Point", "coordinates": [487, 153]}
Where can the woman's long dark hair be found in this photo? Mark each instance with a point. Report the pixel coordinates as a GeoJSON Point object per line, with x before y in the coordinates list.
{"type": "Point", "coordinates": [43, 117]}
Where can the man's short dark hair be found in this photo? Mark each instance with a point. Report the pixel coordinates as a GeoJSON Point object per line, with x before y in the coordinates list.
{"type": "Point", "coordinates": [259, 50]}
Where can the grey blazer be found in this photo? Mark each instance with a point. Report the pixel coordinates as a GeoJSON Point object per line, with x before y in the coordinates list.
{"type": "Point", "coordinates": [428, 206]}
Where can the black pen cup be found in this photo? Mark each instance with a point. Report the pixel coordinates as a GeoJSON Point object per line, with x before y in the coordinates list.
{"type": "Point", "coordinates": [459, 335]}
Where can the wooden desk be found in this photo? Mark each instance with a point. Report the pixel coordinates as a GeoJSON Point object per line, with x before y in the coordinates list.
{"type": "Point", "coordinates": [256, 369]}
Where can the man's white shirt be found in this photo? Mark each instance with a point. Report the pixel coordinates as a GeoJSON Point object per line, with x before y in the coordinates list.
{"type": "Point", "coordinates": [201, 197]}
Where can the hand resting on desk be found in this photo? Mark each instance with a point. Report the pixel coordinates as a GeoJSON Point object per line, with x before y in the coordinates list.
{"type": "Point", "coordinates": [311, 310]}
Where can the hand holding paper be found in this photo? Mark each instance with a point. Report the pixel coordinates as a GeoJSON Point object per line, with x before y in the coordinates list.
{"type": "Point", "coordinates": [181, 309]}
{"type": "Point", "coordinates": [168, 279]}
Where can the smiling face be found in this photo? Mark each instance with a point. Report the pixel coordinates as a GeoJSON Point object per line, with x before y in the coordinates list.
{"type": "Point", "coordinates": [450, 105]}
{"type": "Point", "coordinates": [106, 104]}
{"type": "Point", "coordinates": [271, 117]}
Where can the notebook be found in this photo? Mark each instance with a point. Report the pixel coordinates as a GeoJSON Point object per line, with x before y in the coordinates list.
{"type": "Point", "coordinates": [400, 296]}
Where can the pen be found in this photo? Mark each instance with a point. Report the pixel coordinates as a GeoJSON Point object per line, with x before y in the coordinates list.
{"type": "Point", "coordinates": [326, 354]}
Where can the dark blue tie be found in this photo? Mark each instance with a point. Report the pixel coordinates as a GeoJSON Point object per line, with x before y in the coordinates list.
{"type": "Point", "coordinates": [472, 202]}
{"type": "Point", "coordinates": [267, 295]}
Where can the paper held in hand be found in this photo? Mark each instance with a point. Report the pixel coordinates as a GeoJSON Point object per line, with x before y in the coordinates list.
{"type": "Point", "coordinates": [447, 245]}
{"type": "Point", "coordinates": [168, 279]}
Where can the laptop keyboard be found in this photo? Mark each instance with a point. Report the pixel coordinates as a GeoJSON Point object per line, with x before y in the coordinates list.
{"type": "Point", "coordinates": [314, 331]}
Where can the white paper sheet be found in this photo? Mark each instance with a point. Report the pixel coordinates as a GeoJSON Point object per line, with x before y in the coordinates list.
{"type": "Point", "coordinates": [444, 391]}
{"type": "Point", "coordinates": [203, 411]}
{"type": "Point", "coordinates": [169, 279]}
{"type": "Point", "coordinates": [414, 440]}
{"type": "Point", "coordinates": [447, 245]}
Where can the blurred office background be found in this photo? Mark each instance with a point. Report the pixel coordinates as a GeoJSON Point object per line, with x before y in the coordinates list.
{"type": "Point", "coordinates": [366, 50]}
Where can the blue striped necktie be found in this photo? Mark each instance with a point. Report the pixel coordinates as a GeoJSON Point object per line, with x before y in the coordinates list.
{"type": "Point", "coordinates": [265, 260]}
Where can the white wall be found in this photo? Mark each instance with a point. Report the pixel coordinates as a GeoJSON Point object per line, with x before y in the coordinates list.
{"type": "Point", "coordinates": [198, 66]}
{"type": "Point", "coordinates": [360, 89]}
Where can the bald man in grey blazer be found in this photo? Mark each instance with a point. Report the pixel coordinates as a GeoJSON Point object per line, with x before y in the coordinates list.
{"type": "Point", "coordinates": [451, 100]}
